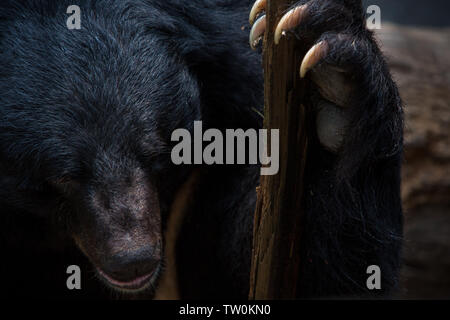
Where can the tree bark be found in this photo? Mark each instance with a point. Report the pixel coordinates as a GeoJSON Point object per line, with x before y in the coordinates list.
{"type": "Point", "coordinates": [276, 240]}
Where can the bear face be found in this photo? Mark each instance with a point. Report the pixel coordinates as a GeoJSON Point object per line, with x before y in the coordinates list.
{"type": "Point", "coordinates": [116, 222]}
{"type": "Point", "coordinates": [85, 136]}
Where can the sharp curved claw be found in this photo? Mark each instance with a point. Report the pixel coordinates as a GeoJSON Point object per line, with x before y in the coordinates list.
{"type": "Point", "coordinates": [257, 31]}
{"type": "Point", "coordinates": [313, 57]}
{"type": "Point", "coordinates": [258, 7]}
{"type": "Point", "coordinates": [290, 20]}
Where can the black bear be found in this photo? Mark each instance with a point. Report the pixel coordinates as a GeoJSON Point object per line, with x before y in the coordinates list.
{"type": "Point", "coordinates": [86, 117]}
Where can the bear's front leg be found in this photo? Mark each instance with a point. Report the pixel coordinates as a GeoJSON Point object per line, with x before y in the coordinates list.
{"type": "Point", "coordinates": [353, 217]}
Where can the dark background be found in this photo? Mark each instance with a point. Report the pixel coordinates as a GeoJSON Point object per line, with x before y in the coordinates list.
{"type": "Point", "coordinates": [434, 13]}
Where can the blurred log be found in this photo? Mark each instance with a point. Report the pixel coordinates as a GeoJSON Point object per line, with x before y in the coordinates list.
{"type": "Point", "coordinates": [419, 61]}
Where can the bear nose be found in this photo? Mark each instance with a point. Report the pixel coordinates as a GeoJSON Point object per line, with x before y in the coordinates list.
{"type": "Point", "coordinates": [131, 264]}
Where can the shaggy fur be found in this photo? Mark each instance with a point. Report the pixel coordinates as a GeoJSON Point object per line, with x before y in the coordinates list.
{"type": "Point", "coordinates": [86, 108]}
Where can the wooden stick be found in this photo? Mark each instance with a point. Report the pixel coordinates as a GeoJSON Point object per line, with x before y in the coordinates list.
{"type": "Point", "coordinates": [276, 242]}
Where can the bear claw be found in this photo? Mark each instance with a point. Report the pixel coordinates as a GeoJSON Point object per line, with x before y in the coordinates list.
{"type": "Point", "coordinates": [313, 57]}
{"type": "Point", "coordinates": [258, 7]}
{"type": "Point", "coordinates": [289, 21]}
{"type": "Point", "coordinates": [257, 31]}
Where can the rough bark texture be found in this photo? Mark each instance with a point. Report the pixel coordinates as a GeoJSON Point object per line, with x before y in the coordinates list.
{"type": "Point", "coordinates": [275, 260]}
{"type": "Point", "coordinates": [419, 60]}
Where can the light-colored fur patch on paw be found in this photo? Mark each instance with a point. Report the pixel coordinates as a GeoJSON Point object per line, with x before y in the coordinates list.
{"type": "Point", "coordinates": [331, 122]}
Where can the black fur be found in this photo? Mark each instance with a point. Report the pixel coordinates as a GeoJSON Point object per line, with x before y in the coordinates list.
{"type": "Point", "coordinates": [92, 104]}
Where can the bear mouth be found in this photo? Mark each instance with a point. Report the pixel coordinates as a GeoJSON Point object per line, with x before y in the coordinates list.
{"type": "Point", "coordinates": [135, 285]}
